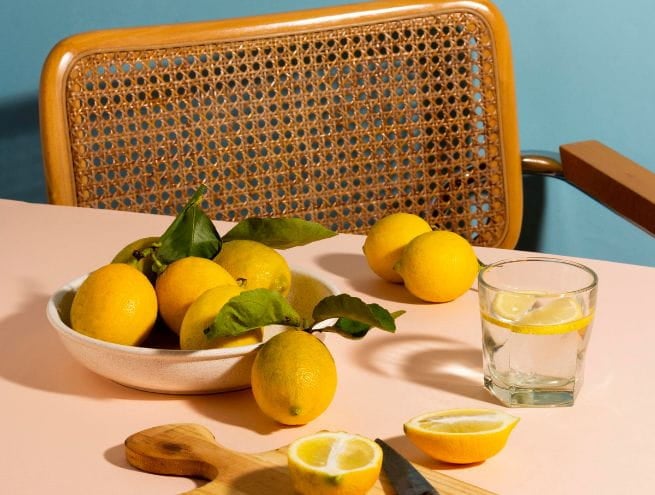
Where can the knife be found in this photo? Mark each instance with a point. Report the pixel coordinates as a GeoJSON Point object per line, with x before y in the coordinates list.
{"type": "Point", "coordinates": [404, 477]}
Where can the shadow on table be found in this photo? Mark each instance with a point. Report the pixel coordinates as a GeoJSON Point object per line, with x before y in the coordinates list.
{"type": "Point", "coordinates": [359, 277]}
{"type": "Point", "coordinates": [32, 355]}
{"type": "Point", "coordinates": [234, 408]}
{"type": "Point", "coordinates": [435, 362]}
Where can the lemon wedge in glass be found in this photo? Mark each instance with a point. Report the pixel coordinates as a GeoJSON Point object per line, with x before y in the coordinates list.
{"type": "Point", "coordinates": [561, 315]}
{"type": "Point", "coordinates": [334, 463]}
{"type": "Point", "coordinates": [512, 305]}
{"type": "Point", "coordinates": [461, 436]}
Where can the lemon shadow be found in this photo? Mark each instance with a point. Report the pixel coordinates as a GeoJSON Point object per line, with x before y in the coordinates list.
{"type": "Point", "coordinates": [237, 408]}
{"type": "Point", "coordinates": [359, 277]}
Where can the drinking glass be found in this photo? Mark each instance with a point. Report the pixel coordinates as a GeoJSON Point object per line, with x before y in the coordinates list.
{"type": "Point", "coordinates": [537, 315]}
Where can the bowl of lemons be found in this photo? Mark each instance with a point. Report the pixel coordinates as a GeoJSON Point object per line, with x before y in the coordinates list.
{"type": "Point", "coordinates": [132, 341]}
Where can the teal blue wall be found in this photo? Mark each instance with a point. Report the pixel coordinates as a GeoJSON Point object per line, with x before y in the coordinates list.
{"type": "Point", "coordinates": [583, 69]}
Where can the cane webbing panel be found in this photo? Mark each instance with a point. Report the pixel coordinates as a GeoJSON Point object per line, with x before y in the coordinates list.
{"type": "Point", "coordinates": [341, 126]}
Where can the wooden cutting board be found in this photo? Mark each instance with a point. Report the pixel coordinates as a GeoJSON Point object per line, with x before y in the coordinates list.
{"type": "Point", "coordinates": [191, 450]}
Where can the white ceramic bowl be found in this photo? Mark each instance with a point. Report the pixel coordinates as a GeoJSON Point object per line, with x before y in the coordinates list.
{"type": "Point", "coordinates": [174, 371]}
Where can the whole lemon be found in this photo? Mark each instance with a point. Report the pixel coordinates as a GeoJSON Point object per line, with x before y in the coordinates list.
{"type": "Point", "coordinates": [293, 377]}
{"type": "Point", "coordinates": [200, 316]}
{"type": "Point", "coordinates": [438, 266]}
{"type": "Point", "coordinates": [255, 265]}
{"type": "Point", "coordinates": [116, 303]}
{"type": "Point", "coordinates": [386, 240]}
{"type": "Point", "coordinates": [182, 282]}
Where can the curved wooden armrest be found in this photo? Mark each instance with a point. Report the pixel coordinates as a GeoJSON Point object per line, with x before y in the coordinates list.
{"type": "Point", "coordinates": [611, 178]}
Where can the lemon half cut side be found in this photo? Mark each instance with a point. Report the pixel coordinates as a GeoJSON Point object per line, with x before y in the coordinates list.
{"type": "Point", "coordinates": [334, 463]}
{"type": "Point", "coordinates": [461, 436]}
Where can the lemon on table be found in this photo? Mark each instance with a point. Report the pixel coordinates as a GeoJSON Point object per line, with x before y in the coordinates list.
{"type": "Point", "coordinates": [293, 377]}
{"type": "Point", "coordinates": [115, 303]}
{"type": "Point", "coordinates": [182, 283]}
{"type": "Point", "coordinates": [438, 266]}
{"type": "Point", "coordinates": [334, 463]}
{"type": "Point", "coordinates": [255, 265]}
{"type": "Point", "coordinates": [386, 240]}
{"type": "Point", "coordinates": [461, 436]}
{"type": "Point", "coordinates": [200, 316]}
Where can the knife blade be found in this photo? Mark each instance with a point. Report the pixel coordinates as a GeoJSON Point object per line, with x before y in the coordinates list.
{"type": "Point", "coordinates": [403, 476]}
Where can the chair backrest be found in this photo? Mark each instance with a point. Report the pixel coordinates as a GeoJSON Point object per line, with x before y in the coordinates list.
{"type": "Point", "coordinates": [340, 115]}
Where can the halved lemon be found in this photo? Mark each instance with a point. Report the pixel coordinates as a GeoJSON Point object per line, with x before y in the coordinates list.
{"type": "Point", "coordinates": [334, 463]}
{"type": "Point", "coordinates": [461, 436]}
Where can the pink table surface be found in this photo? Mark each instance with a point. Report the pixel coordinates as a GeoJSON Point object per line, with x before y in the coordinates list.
{"type": "Point", "coordinates": [63, 427]}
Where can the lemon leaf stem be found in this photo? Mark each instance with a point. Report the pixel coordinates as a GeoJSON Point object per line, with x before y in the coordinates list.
{"type": "Point", "coordinates": [355, 317]}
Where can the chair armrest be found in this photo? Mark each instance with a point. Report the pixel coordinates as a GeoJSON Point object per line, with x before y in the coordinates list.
{"type": "Point", "coordinates": [614, 180]}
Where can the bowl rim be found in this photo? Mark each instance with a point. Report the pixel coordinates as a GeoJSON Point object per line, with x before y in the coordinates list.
{"type": "Point", "coordinates": [56, 321]}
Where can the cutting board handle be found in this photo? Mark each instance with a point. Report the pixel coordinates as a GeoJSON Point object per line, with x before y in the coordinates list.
{"type": "Point", "coordinates": [191, 450]}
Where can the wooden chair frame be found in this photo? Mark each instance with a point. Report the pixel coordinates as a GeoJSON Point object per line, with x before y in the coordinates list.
{"type": "Point", "coordinates": [307, 50]}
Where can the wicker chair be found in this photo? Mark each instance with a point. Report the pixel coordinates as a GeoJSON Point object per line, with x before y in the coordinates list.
{"type": "Point", "coordinates": [340, 115]}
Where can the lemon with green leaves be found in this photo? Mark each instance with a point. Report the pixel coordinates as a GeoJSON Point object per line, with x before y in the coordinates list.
{"type": "Point", "coordinates": [201, 315]}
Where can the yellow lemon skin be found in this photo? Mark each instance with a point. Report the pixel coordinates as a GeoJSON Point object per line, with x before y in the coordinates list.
{"type": "Point", "coordinates": [438, 266]}
{"type": "Point", "coordinates": [386, 240]}
{"type": "Point", "coordinates": [461, 436]}
{"type": "Point", "coordinates": [200, 316]}
{"type": "Point", "coordinates": [182, 283]}
{"type": "Point", "coordinates": [115, 303]}
{"type": "Point", "coordinates": [255, 265]}
{"type": "Point", "coordinates": [293, 378]}
{"type": "Point", "coordinates": [334, 463]}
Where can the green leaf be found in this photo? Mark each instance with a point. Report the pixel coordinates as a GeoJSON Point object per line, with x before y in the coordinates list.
{"type": "Point", "coordinates": [253, 309]}
{"type": "Point", "coordinates": [279, 233]}
{"type": "Point", "coordinates": [355, 317]}
{"type": "Point", "coordinates": [192, 233]}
